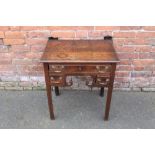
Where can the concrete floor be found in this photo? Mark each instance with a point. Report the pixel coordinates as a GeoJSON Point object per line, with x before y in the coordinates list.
{"type": "Point", "coordinates": [76, 109]}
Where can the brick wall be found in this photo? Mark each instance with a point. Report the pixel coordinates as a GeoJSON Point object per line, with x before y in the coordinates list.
{"type": "Point", "coordinates": [21, 48]}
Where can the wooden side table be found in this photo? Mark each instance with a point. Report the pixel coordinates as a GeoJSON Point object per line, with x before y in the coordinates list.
{"type": "Point", "coordinates": [95, 59]}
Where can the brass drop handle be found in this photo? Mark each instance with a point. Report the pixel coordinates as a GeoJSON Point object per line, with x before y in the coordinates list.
{"type": "Point", "coordinates": [56, 79]}
{"type": "Point", "coordinates": [57, 69]}
{"type": "Point", "coordinates": [102, 80]}
{"type": "Point", "coordinates": [102, 68]}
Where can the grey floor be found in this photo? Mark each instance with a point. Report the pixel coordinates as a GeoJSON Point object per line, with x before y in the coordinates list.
{"type": "Point", "coordinates": [76, 109]}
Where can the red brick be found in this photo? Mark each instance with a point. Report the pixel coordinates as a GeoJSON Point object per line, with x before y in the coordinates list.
{"type": "Point", "coordinates": [62, 28]}
{"type": "Point", "coordinates": [118, 41]}
{"type": "Point", "coordinates": [143, 62]}
{"type": "Point", "coordinates": [141, 74]}
{"type": "Point", "coordinates": [149, 68]}
{"type": "Point", "coordinates": [105, 33]}
{"type": "Point", "coordinates": [95, 34]}
{"type": "Point", "coordinates": [81, 34]}
{"type": "Point", "coordinates": [98, 34]}
{"type": "Point", "coordinates": [6, 55]}
{"type": "Point", "coordinates": [38, 48]}
{"type": "Point", "coordinates": [124, 68]}
{"type": "Point", "coordinates": [33, 55]}
{"type": "Point", "coordinates": [37, 68]}
{"type": "Point", "coordinates": [138, 68]}
{"type": "Point", "coordinates": [130, 27]}
{"type": "Point", "coordinates": [30, 69]}
{"type": "Point", "coordinates": [124, 48]}
{"type": "Point", "coordinates": [15, 35]}
{"type": "Point", "coordinates": [7, 68]}
{"type": "Point", "coordinates": [36, 41]}
{"type": "Point", "coordinates": [145, 55]}
{"type": "Point", "coordinates": [14, 28]}
{"type": "Point", "coordinates": [124, 62]}
{"type": "Point", "coordinates": [137, 41]}
{"type": "Point", "coordinates": [3, 49]}
{"type": "Point", "coordinates": [124, 34]}
{"type": "Point", "coordinates": [1, 34]}
{"type": "Point", "coordinates": [63, 34]}
{"type": "Point", "coordinates": [134, 41]}
{"type": "Point", "coordinates": [37, 34]}
{"type": "Point", "coordinates": [122, 74]}
{"type": "Point", "coordinates": [40, 73]}
{"type": "Point", "coordinates": [140, 82]}
{"type": "Point", "coordinates": [145, 34]}
{"type": "Point", "coordinates": [128, 55]}
{"type": "Point", "coordinates": [1, 41]}
{"type": "Point", "coordinates": [153, 49]}
{"type": "Point", "coordinates": [152, 55]}
{"type": "Point", "coordinates": [14, 41]}
{"type": "Point", "coordinates": [25, 70]}
{"type": "Point", "coordinates": [27, 55]}
{"type": "Point", "coordinates": [122, 85]}
{"type": "Point", "coordinates": [149, 28]}
{"type": "Point", "coordinates": [23, 62]}
{"type": "Point", "coordinates": [151, 41]}
{"type": "Point", "coordinates": [122, 79]}
{"type": "Point", "coordinates": [20, 48]}
{"type": "Point", "coordinates": [20, 55]}
{"type": "Point", "coordinates": [83, 28]}
{"type": "Point", "coordinates": [143, 48]}
{"type": "Point", "coordinates": [30, 28]}
{"type": "Point", "coordinates": [107, 28]}
{"type": "Point", "coordinates": [4, 28]}
{"type": "Point", "coordinates": [6, 61]}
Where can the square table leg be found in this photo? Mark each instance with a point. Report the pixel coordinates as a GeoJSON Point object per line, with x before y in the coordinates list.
{"type": "Point", "coordinates": [109, 94]}
{"type": "Point", "coordinates": [48, 90]}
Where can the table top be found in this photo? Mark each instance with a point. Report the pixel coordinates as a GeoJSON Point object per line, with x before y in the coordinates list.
{"type": "Point", "coordinates": [79, 51]}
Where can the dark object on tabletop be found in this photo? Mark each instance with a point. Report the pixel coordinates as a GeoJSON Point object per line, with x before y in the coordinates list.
{"type": "Point", "coordinates": [94, 58]}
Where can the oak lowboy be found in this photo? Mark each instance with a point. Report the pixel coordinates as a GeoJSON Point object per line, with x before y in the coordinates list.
{"type": "Point", "coordinates": [95, 59]}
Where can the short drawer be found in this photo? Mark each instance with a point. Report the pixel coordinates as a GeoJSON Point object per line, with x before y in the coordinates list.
{"type": "Point", "coordinates": [102, 81]}
{"type": "Point", "coordinates": [57, 80]}
{"type": "Point", "coordinates": [56, 68]}
{"type": "Point", "coordinates": [104, 68]}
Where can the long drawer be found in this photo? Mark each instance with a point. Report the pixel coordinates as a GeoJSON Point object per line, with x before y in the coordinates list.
{"type": "Point", "coordinates": [80, 70]}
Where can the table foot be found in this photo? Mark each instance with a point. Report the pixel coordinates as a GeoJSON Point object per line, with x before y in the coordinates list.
{"type": "Point", "coordinates": [102, 92]}
{"type": "Point", "coordinates": [57, 93]}
{"type": "Point", "coordinates": [52, 116]}
{"type": "Point", "coordinates": [105, 119]}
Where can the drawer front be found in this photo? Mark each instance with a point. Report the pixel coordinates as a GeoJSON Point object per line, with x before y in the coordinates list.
{"type": "Point", "coordinates": [56, 69]}
{"type": "Point", "coordinates": [80, 69]}
{"type": "Point", "coordinates": [96, 69]}
{"type": "Point", "coordinates": [100, 74]}
{"type": "Point", "coordinates": [102, 81]}
{"type": "Point", "coordinates": [57, 80]}
{"type": "Point", "coordinates": [104, 68]}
